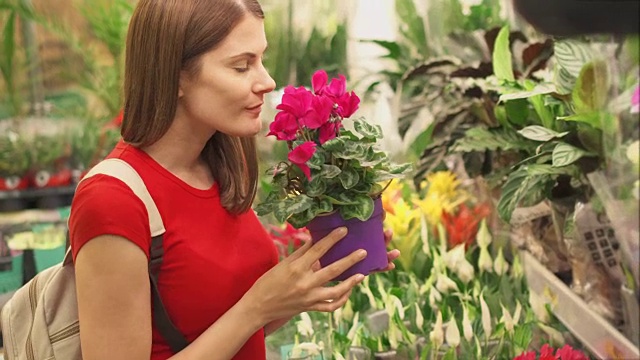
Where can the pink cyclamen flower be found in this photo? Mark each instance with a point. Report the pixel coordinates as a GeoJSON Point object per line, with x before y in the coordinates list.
{"type": "Point", "coordinates": [318, 114]}
{"type": "Point", "coordinates": [296, 101]}
{"type": "Point", "coordinates": [348, 104]}
{"type": "Point", "coordinates": [329, 131]}
{"type": "Point", "coordinates": [635, 101]}
{"type": "Point", "coordinates": [301, 154]}
{"type": "Point", "coordinates": [546, 352]}
{"type": "Point", "coordinates": [319, 81]}
{"type": "Point", "coordinates": [284, 127]}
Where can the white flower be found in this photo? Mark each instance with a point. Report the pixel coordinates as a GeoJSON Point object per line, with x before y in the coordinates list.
{"type": "Point", "coordinates": [454, 257]}
{"type": "Point", "coordinates": [507, 320]}
{"type": "Point", "coordinates": [307, 347]}
{"type": "Point", "coordinates": [517, 270]}
{"type": "Point", "coordinates": [500, 265]}
{"type": "Point", "coordinates": [485, 263]}
{"type": "Point", "coordinates": [305, 325]}
{"type": "Point", "coordinates": [465, 271]}
{"type": "Point", "coordinates": [452, 334]}
{"type": "Point", "coordinates": [517, 313]}
{"type": "Point", "coordinates": [486, 317]}
{"type": "Point", "coordinates": [354, 328]}
{"type": "Point", "coordinates": [424, 235]}
{"type": "Point", "coordinates": [484, 236]}
{"type": "Point", "coordinates": [538, 306]}
{"type": "Point", "coordinates": [434, 298]}
{"type": "Point", "coordinates": [419, 317]}
{"type": "Point", "coordinates": [444, 284]}
{"type": "Point", "coordinates": [466, 324]}
{"type": "Point", "coordinates": [436, 336]}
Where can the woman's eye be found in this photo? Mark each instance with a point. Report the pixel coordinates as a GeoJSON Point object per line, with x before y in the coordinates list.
{"type": "Point", "coordinates": [242, 69]}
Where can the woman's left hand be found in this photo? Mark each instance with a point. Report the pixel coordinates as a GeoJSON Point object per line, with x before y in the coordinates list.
{"type": "Point", "coordinates": [391, 255]}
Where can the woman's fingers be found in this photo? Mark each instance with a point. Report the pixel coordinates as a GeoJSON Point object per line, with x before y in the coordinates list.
{"type": "Point", "coordinates": [331, 271]}
{"type": "Point", "coordinates": [322, 246]}
{"type": "Point", "coordinates": [388, 235]}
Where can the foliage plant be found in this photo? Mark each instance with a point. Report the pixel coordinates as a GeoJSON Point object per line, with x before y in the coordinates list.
{"type": "Point", "coordinates": [559, 126]}
{"type": "Point", "coordinates": [329, 167]}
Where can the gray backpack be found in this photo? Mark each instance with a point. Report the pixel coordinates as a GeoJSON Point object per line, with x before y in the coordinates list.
{"type": "Point", "coordinates": [40, 321]}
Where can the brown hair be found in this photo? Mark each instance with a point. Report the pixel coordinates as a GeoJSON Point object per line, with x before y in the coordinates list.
{"type": "Point", "coordinates": [169, 36]}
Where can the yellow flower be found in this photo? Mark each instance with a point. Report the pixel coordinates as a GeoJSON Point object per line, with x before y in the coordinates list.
{"type": "Point", "coordinates": [403, 220]}
{"type": "Point", "coordinates": [432, 207]}
{"type": "Point", "coordinates": [444, 184]}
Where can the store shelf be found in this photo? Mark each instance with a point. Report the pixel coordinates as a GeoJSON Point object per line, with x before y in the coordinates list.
{"type": "Point", "coordinates": [38, 193]}
{"type": "Point", "coordinates": [600, 337]}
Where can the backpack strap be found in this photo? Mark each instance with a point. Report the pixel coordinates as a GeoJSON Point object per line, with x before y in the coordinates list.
{"type": "Point", "coordinates": [121, 170]}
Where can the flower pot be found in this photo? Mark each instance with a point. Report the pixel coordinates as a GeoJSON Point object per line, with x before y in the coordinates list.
{"type": "Point", "coordinates": [367, 235]}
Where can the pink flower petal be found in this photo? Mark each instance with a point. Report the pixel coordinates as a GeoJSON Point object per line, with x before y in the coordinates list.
{"type": "Point", "coordinates": [319, 81]}
{"type": "Point", "coordinates": [301, 154]}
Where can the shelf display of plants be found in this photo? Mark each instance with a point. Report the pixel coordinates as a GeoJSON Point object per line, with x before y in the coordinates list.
{"type": "Point", "coordinates": [14, 162]}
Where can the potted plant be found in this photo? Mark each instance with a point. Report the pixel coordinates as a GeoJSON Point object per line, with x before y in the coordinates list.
{"type": "Point", "coordinates": [333, 177]}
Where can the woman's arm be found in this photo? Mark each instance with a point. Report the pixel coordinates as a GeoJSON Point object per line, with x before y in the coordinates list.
{"type": "Point", "coordinates": [114, 305]}
{"type": "Point", "coordinates": [112, 280]}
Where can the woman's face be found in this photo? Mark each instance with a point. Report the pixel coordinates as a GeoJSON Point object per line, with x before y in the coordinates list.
{"type": "Point", "coordinates": [228, 92]}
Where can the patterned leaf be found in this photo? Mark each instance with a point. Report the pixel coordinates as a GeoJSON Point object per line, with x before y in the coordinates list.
{"type": "Point", "coordinates": [539, 133]}
{"type": "Point", "coordinates": [349, 178]}
{"type": "Point", "coordinates": [330, 171]}
{"type": "Point", "coordinates": [565, 154]}
{"type": "Point", "coordinates": [367, 130]}
{"type": "Point", "coordinates": [362, 209]}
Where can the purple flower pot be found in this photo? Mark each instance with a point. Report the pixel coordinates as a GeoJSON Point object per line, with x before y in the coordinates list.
{"type": "Point", "coordinates": [367, 235]}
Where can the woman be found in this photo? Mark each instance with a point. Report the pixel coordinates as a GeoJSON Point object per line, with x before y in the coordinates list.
{"type": "Point", "coordinates": [194, 87]}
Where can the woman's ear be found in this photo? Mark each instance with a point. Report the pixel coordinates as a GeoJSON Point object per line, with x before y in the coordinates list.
{"type": "Point", "coordinates": [182, 83]}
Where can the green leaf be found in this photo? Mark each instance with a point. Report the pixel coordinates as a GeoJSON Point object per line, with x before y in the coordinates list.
{"type": "Point", "coordinates": [317, 187]}
{"type": "Point", "coordinates": [350, 151]}
{"type": "Point", "coordinates": [330, 171]}
{"type": "Point", "coordinates": [302, 219]}
{"type": "Point", "coordinates": [565, 154]}
{"type": "Point", "coordinates": [518, 111]}
{"type": "Point", "coordinates": [526, 185]}
{"type": "Point", "coordinates": [372, 132]}
{"type": "Point", "coordinates": [540, 89]}
{"type": "Point", "coordinates": [349, 178]}
{"type": "Point", "coordinates": [333, 145]}
{"type": "Point", "coordinates": [317, 160]}
{"type": "Point", "coordinates": [572, 55]}
{"type": "Point", "coordinates": [594, 119]}
{"type": "Point", "coordinates": [263, 209]}
{"type": "Point", "coordinates": [502, 63]}
{"type": "Point", "coordinates": [564, 81]}
{"type": "Point", "coordinates": [340, 199]}
{"type": "Point", "coordinates": [481, 139]}
{"type": "Point", "coordinates": [592, 88]}
{"type": "Point", "coordinates": [362, 209]}
{"type": "Point", "coordinates": [400, 169]}
{"type": "Point", "coordinates": [373, 157]}
{"type": "Point", "coordinates": [323, 205]}
{"type": "Point", "coordinates": [539, 133]}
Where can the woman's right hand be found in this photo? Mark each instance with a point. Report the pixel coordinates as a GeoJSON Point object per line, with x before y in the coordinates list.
{"type": "Point", "coordinates": [292, 286]}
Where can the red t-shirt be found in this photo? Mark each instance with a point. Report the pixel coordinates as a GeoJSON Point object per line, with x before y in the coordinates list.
{"type": "Point", "coordinates": [211, 256]}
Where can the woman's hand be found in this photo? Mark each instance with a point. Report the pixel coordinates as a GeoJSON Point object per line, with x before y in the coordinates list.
{"type": "Point", "coordinates": [391, 255]}
{"type": "Point", "coordinates": [292, 286]}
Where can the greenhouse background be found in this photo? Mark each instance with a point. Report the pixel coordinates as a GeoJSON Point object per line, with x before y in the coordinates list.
{"type": "Point", "coordinates": [518, 224]}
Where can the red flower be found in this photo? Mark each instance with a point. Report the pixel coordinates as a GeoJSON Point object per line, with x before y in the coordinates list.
{"type": "Point", "coordinates": [568, 353]}
{"type": "Point", "coordinates": [117, 121]}
{"type": "Point", "coordinates": [462, 226]}
{"type": "Point", "coordinates": [288, 238]}
{"type": "Point", "coordinates": [301, 154]}
{"type": "Point", "coordinates": [529, 355]}
{"type": "Point", "coordinates": [319, 113]}
{"type": "Point", "coordinates": [546, 352]}
{"type": "Point", "coordinates": [329, 131]}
